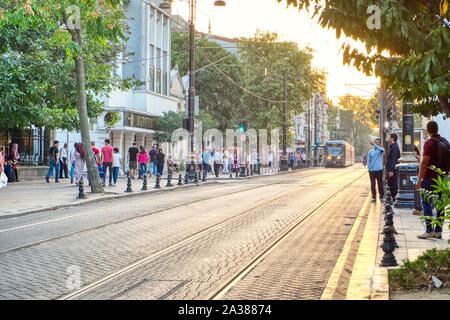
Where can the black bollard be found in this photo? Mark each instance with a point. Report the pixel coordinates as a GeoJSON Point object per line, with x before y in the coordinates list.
{"type": "Point", "coordinates": [186, 178]}
{"type": "Point", "coordinates": [81, 194]}
{"type": "Point", "coordinates": [200, 175]}
{"type": "Point", "coordinates": [388, 198]}
{"type": "Point", "coordinates": [231, 175]}
{"type": "Point", "coordinates": [388, 246]}
{"type": "Point", "coordinates": [389, 222]}
{"type": "Point", "coordinates": [169, 179]}
{"type": "Point", "coordinates": [144, 183]}
{"type": "Point", "coordinates": [204, 176]}
{"type": "Point", "coordinates": [180, 180]}
{"type": "Point", "coordinates": [158, 180]}
{"type": "Point", "coordinates": [128, 183]}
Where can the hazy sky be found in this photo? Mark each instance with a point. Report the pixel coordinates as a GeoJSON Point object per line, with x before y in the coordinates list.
{"type": "Point", "coordinates": [243, 17]}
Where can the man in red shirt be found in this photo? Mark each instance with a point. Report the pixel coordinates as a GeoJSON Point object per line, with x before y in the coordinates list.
{"type": "Point", "coordinates": [107, 160]}
{"type": "Point", "coordinates": [430, 157]}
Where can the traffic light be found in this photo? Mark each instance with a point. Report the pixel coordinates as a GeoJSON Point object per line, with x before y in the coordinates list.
{"type": "Point", "coordinates": [243, 126]}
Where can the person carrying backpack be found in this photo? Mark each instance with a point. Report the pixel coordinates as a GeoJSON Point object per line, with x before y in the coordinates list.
{"type": "Point", "coordinates": [436, 152]}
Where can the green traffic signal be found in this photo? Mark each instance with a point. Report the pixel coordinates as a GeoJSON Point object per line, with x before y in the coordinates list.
{"type": "Point", "coordinates": [243, 126]}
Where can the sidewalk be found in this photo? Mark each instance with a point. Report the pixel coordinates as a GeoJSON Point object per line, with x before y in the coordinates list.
{"type": "Point", "coordinates": [27, 197]}
{"type": "Point", "coordinates": [368, 280]}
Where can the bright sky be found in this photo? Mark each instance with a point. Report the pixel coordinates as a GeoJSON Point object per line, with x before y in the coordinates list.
{"type": "Point", "coordinates": [241, 18]}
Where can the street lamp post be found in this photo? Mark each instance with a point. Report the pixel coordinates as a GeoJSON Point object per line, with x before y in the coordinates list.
{"type": "Point", "coordinates": [191, 91]}
{"type": "Point", "coordinates": [284, 162]}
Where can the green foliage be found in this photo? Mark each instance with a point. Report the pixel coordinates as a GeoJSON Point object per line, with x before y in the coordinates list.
{"type": "Point", "coordinates": [171, 121]}
{"type": "Point", "coordinates": [416, 275]}
{"type": "Point", "coordinates": [218, 97]}
{"type": "Point", "coordinates": [357, 118]}
{"type": "Point", "coordinates": [410, 52]}
{"type": "Point", "coordinates": [440, 196]}
{"type": "Point", "coordinates": [37, 82]}
{"type": "Point", "coordinates": [266, 59]}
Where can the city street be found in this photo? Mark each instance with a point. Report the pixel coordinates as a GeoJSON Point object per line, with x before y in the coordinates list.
{"type": "Point", "coordinates": [272, 237]}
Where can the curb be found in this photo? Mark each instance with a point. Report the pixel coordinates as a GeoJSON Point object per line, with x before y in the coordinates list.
{"type": "Point", "coordinates": [139, 193]}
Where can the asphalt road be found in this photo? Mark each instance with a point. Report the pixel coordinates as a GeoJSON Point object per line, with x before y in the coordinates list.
{"type": "Point", "coordinates": [186, 243]}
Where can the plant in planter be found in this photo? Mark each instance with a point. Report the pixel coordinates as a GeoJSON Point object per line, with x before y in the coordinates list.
{"type": "Point", "coordinates": [440, 196]}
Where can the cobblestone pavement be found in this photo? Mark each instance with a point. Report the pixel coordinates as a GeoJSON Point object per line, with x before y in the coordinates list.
{"type": "Point", "coordinates": [34, 228]}
{"type": "Point", "coordinates": [301, 264]}
{"type": "Point", "coordinates": [190, 270]}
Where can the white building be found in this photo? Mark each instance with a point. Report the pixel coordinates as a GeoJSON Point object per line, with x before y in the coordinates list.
{"type": "Point", "coordinates": [148, 59]}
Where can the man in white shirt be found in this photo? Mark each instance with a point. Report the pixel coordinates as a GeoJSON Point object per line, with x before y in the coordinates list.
{"type": "Point", "coordinates": [64, 161]}
{"type": "Point", "coordinates": [218, 162]}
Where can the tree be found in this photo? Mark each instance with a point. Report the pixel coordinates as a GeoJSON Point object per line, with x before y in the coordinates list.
{"type": "Point", "coordinates": [266, 59]}
{"type": "Point", "coordinates": [40, 59]}
{"type": "Point", "coordinates": [353, 121]}
{"type": "Point", "coordinates": [171, 121]}
{"type": "Point", "coordinates": [409, 52]}
{"type": "Point", "coordinates": [360, 118]}
{"type": "Point", "coordinates": [219, 97]}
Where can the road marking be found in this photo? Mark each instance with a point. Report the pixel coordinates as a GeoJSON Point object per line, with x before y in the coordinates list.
{"type": "Point", "coordinates": [334, 288]}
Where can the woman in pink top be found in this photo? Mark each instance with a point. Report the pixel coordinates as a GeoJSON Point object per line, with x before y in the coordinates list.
{"type": "Point", "coordinates": [2, 160]}
{"type": "Point", "coordinates": [143, 161]}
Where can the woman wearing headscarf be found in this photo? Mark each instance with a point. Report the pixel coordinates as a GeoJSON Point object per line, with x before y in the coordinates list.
{"type": "Point", "coordinates": [14, 157]}
{"type": "Point", "coordinates": [2, 161]}
{"type": "Point", "coordinates": [80, 155]}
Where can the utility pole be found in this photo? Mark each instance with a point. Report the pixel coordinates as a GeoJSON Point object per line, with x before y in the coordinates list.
{"type": "Point", "coordinates": [284, 162]}
{"type": "Point", "coordinates": [315, 130]}
{"type": "Point", "coordinates": [191, 91]}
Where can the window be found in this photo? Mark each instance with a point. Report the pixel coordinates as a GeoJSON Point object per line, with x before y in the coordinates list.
{"type": "Point", "coordinates": [164, 84]}
{"type": "Point", "coordinates": [151, 79]}
{"type": "Point", "coordinates": [158, 81]}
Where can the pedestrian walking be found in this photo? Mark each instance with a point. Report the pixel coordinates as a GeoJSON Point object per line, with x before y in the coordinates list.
{"type": "Point", "coordinates": [80, 155]}
{"type": "Point", "coordinates": [152, 154]}
{"type": "Point", "coordinates": [143, 161]}
{"type": "Point", "coordinates": [417, 198]}
{"type": "Point", "coordinates": [391, 163]}
{"type": "Point", "coordinates": [291, 160]}
{"type": "Point", "coordinates": [270, 159]}
{"type": "Point", "coordinates": [226, 161]}
{"type": "Point", "coordinates": [206, 156]}
{"type": "Point", "coordinates": [14, 158]}
{"type": "Point", "coordinates": [365, 160]}
{"type": "Point", "coordinates": [435, 153]}
{"type": "Point", "coordinates": [218, 162]}
{"type": "Point", "coordinates": [117, 164]}
{"type": "Point", "coordinates": [132, 160]}
{"type": "Point", "coordinates": [64, 161]}
{"type": "Point", "coordinates": [375, 166]}
{"type": "Point", "coordinates": [72, 164]}
{"type": "Point", "coordinates": [160, 157]}
{"type": "Point", "coordinates": [3, 176]}
{"type": "Point", "coordinates": [107, 160]}
{"type": "Point", "coordinates": [54, 162]}
{"type": "Point", "coordinates": [2, 160]}
{"type": "Point", "coordinates": [170, 164]}
{"type": "Point", "coordinates": [304, 158]}
{"type": "Point", "coordinates": [254, 161]}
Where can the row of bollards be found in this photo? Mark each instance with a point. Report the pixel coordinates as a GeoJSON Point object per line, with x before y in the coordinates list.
{"type": "Point", "coordinates": [389, 241]}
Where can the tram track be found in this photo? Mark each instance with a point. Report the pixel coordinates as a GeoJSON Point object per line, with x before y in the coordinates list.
{"type": "Point", "coordinates": [116, 207]}
{"type": "Point", "coordinates": [143, 261]}
{"type": "Point", "coordinates": [229, 284]}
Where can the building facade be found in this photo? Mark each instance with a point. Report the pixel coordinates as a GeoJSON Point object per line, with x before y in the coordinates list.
{"type": "Point", "coordinates": [147, 58]}
{"type": "Point", "coordinates": [311, 128]}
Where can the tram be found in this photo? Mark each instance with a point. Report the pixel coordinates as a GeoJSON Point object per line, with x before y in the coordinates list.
{"type": "Point", "coordinates": [339, 153]}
